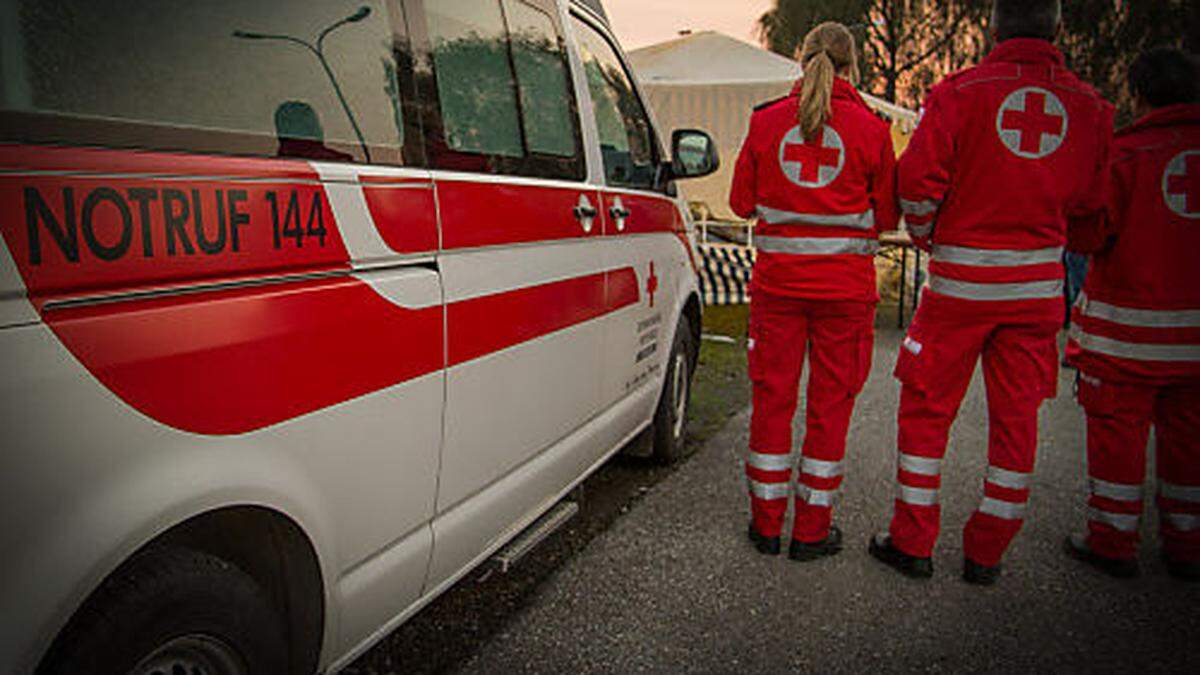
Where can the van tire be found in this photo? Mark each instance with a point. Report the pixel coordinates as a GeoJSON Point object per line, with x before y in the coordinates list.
{"type": "Point", "coordinates": [670, 419]}
{"type": "Point", "coordinates": [173, 607]}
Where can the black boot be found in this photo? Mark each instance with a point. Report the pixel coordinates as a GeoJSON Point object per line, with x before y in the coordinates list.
{"type": "Point", "coordinates": [765, 545]}
{"type": "Point", "coordinates": [1182, 570]}
{"type": "Point", "coordinates": [909, 565]}
{"type": "Point", "coordinates": [830, 545]}
{"type": "Point", "coordinates": [980, 575]}
{"type": "Point", "coordinates": [1077, 547]}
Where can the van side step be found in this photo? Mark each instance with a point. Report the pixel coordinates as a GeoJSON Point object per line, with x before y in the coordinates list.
{"type": "Point", "coordinates": [533, 535]}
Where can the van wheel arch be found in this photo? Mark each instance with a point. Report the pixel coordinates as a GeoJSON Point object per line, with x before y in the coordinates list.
{"type": "Point", "coordinates": [263, 544]}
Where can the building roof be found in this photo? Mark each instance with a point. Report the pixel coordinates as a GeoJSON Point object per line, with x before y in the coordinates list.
{"type": "Point", "coordinates": [710, 57]}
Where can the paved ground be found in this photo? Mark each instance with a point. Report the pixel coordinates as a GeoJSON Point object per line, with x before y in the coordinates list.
{"type": "Point", "coordinates": [673, 586]}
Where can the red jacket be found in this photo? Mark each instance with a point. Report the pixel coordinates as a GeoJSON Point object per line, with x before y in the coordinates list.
{"type": "Point", "coordinates": [1139, 316]}
{"type": "Point", "coordinates": [1004, 154]}
{"type": "Point", "coordinates": [820, 204]}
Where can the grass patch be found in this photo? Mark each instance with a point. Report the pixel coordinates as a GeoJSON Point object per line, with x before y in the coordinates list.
{"type": "Point", "coordinates": [720, 388]}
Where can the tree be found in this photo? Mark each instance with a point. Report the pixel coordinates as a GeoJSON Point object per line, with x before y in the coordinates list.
{"type": "Point", "coordinates": [907, 44]}
{"type": "Point", "coordinates": [784, 27]}
{"type": "Point", "coordinates": [1102, 38]}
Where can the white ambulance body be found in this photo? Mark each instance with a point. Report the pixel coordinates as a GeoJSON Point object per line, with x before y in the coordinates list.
{"type": "Point", "coordinates": [308, 308]}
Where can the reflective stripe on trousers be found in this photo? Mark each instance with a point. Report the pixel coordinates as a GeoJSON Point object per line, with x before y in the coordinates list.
{"type": "Point", "coordinates": [858, 221]}
{"type": "Point", "coordinates": [1124, 522]}
{"type": "Point", "coordinates": [924, 466]}
{"type": "Point", "coordinates": [769, 491]}
{"type": "Point", "coordinates": [1180, 493]}
{"type": "Point", "coordinates": [820, 468]}
{"type": "Point", "coordinates": [1013, 480]}
{"type": "Point", "coordinates": [1119, 492]}
{"type": "Point", "coordinates": [1183, 522]}
{"type": "Point", "coordinates": [817, 245]}
{"type": "Point", "coordinates": [769, 462]}
{"type": "Point", "coordinates": [1002, 509]}
{"type": "Point", "coordinates": [918, 496]}
{"type": "Point", "coordinates": [967, 290]}
{"type": "Point", "coordinates": [1136, 351]}
{"type": "Point", "coordinates": [814, 497]}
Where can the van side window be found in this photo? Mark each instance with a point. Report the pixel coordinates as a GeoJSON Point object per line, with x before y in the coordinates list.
{"type": "Point", "coordinates": [504, 100]}
{"type": "Point", "coordinates": [296, 78]}
{"type": "Point", "coordinates": [626, 137]}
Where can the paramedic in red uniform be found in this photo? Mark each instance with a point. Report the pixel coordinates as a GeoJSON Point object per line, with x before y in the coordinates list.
{"type": "Point", "coordinates": [818, 170]}
{"type": "Point", "coordinates": [1136, 335]}
{"type": "Point", "coordinates": [1006, 152]}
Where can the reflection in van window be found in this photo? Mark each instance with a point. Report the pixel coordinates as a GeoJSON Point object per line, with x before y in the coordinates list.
{"type": "Point", "coordinates": [625, 133]}
{"type": "Point", "coordinates": [544, 85]}
{"type": "Point", "coordinates": [475, 84]}
{"type": "Point", "coordinates": [301, 78]}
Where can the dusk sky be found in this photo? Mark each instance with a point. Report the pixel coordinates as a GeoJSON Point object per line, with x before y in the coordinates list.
{"type": "Point", "coordinates": [643, 22]}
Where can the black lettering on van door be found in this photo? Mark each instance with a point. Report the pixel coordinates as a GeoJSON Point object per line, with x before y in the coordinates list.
{"type": "Point", "coordinates": [214, 246]}
{"type": "Point", "coordinates": [97, 247]}
{"type": "Point", "coordinates": [173, 221]}
{"type": "Point", "coordinates": [143, 197]}
{"type": "Point", "coordinates": [317, 213]}
{"type": "Point", "coordinates": [289, 226]}
{"type": "Point", "coordinates": [65, 236]}
{"type": "Point", "coordinates": [237, 218]}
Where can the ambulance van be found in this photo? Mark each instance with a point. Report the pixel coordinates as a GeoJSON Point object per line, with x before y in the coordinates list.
{"type": "Point", "coordinates": [310, 307]}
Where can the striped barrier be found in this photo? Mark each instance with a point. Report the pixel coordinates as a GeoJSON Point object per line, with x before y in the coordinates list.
{"type": "Point", "coordinates": [725, 273]}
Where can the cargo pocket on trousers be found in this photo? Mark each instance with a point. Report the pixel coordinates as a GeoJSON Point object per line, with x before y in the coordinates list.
{"type": "Point", "coordinates": [910, 364]}
{"type": "Point", "coordinates": [754, 360]}
{"type": "Point", "coordinates": [864, 351]}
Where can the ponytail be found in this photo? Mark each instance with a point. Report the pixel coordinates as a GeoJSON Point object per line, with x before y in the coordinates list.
{"type": "Point", "coordinates": [828, 51]}
{"type": "Point", "coordinates": [816, 95]}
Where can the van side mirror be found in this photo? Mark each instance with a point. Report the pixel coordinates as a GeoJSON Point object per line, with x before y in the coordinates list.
{"type": "Point", "coordinates": [693, 154]}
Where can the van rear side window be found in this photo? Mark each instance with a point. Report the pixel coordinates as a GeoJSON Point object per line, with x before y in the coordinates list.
{"type": "Point", "coordinates": [505, 103]}
{"type": "Point", "coordinates": [295, 78]}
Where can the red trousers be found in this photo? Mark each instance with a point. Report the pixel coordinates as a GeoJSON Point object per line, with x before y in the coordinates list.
{"type": "Point", "coordinates": [1119, 417]}
{"type": "Point", "coordinates": [838, 337]}
{"type": "Point", "coordinates": [937, 359]}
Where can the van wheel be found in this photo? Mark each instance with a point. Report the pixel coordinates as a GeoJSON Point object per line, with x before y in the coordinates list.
{"type": "Point", "coordinates": [670, 419]}
{"type": "Point", "coordinates": [173, 610]}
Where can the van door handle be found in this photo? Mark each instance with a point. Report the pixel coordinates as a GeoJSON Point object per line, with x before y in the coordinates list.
{"type": "Point", "coordinates": [618, 213]}
{"type": "Point", "coordinates": [585, 213]}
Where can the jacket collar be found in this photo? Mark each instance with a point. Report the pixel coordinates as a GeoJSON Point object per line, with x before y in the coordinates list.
{"type": "Point", "coordinates": [1026, 50]}
{"type": "Point", "coordinates": [1166, 116]}
{"type": "Point", "coordinates": [842, 89]}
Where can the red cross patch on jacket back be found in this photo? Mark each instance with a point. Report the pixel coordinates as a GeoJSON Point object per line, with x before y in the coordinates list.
{"type": "Point", "coordinates": [820, 202]}
{"type": "Point", "coordinates": [1004, 154]}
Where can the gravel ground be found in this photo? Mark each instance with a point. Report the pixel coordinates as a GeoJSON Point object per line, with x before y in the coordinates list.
{"type": "Point", "coordinates": [672, 585]}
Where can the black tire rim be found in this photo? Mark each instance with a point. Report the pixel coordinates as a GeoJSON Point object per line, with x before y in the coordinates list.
{"type": "Point", "coordinates": [192, 655]}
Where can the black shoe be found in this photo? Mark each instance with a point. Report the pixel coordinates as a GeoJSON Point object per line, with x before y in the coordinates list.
{"type": "Point", "coordinates": [908, 565]}
{"type": "Point", "coordinates": [1077, 547]}
{"type": "Point", "coordinates": [980, 575]}
{"type": "Point", "coordinates": [1181, 570]}
{"type": "Point", "coordinates": [765, 545]}
{"type": "Point", "coordinates": [830, 545]}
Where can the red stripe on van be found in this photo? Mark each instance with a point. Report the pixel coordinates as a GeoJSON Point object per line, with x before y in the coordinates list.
{"type": "Point", "coordinates": [488, 324]}
{"type": "Point", "coordinates": [486, 213]}
{"type": "Point", "coordinates": [404, 215]}
{"type": "Point", "coordinates": [233, 361]}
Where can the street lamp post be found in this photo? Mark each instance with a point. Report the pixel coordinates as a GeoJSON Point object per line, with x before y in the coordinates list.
{"type": "Point", "coordinates": [318, 51]}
